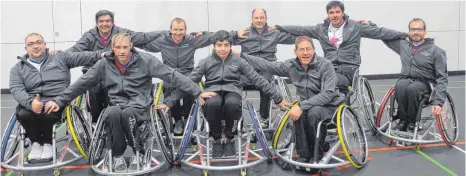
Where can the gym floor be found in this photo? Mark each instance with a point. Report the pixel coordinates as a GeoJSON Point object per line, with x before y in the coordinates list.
{"type": "Point", "coordinates": [432, 159]}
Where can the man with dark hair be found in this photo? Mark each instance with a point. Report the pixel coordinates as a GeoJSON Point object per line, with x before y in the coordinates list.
{"type": "Point", "coordinates": [99, 38]}
{"type": "Point", "coordinates": [315, 81]}
{"type": "Point", "coordinates": [128, 76]}
{"type": "Point", "coordinates": [422, 62]}
{"type": "Point", "coordinates": [37, 78]}
{"type": "Point", "coordinates": [340, 38]}
{"type": "Point", "coordinates": [258, 40]}
{"type": "Point", "coordinates": [178, 51]}
{"type": "Point", "coordinates": [222, 72]}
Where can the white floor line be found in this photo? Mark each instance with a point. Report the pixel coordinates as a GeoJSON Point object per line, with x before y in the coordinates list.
{"type": "Point", "coordinates": [459, 149]}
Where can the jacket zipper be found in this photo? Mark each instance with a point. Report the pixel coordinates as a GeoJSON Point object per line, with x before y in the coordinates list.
{"type": "Point", "coordinates": [223, 70]}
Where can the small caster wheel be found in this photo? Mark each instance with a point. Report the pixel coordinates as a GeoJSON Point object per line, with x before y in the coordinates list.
{"type": "Point", "coordinates": [193, 141]}
{"type": "Point", "coordinates": [253, 139]}
{"type": "Point", "coordinates": [286, 166]}
{"type": "Point", "coordinates": [56, 172]}
{"type": "Point", "coordinates": [253, 146]}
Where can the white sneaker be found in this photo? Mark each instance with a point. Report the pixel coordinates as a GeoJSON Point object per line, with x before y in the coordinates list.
{"type": "Point", "coordinates": [47, 152]}
{"type": "Point", "coordinates": [36, 151]}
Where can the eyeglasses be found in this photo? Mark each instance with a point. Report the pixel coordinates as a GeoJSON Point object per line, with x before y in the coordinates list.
{"type": "Point", "coordinates": [38, 42]}
{"type": "Point", "coordinates": [416, 29]}
{"type": "Point", "coordinates": [302, 50]}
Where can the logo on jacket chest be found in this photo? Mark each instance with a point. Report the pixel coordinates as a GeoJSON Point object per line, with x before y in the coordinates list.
{"type": "Point", "coordinates": [425, 53]}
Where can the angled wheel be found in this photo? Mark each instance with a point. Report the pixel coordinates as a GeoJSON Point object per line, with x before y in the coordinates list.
{"type": "Point", "coordinates": [188, 131]}
{"type": "Point", "coordinates": [79, 129]}
{"type": "Point", "coordinates": [447, 123]}
{"type": "Point", "coordinates": [259, 132]}
{"type": "Point", "coordinates": [11, 138]}
{"type": "Point", "coordinates": [284, 126]}
{"type": "Point", "coordinates": [163, 135]}
{"type": "Point", "coordinates": [352, 136]}
{"type": "Point", "coordinates": [99, 142]}
{"type": "Point", "coordinates": [368, 103]}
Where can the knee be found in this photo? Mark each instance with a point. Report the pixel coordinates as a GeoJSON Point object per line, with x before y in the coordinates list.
{"type": "Point", "coordinates": [112, 113]}
{"type": "Point", "coordinates": [315, 114]}
{"type": "Point", "coordinates": [23, 114]}
{"type": "Point", "coordinates": [233, 104]}
{"type": "Point", "coordinates": [214, 102]}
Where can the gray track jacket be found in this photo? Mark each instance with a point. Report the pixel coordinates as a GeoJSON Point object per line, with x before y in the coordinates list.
{"type": "Point", "coordinates": [348, 53]}
{"type": "Point", "coordinates": [52, 79]}
{"type": "Point", "coordinates": [428, 63]}
{"type": "Point", "coordinates": [132, 88]}
{"type": "Point", "coordinates": [90, 40]}
{"type": "Point", "coordinates": [316, 87]}
{"type": "Point", "coordinates": [224, 75]}
{"type": "Point", "coordinates": [263, 45]}
{"type": "Point", "coordinates": [179, 56]}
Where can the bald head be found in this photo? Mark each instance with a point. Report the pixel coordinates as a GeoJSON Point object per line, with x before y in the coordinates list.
{"type": "Point", "coordinates": [259, 11]}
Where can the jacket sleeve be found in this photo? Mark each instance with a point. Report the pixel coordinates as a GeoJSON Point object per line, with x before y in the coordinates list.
{"type": "Point", "coordinates": [169, 75]}
{"type": "Point", "coordinates": [90, 79]}
{"type": "Point", "coordinates": [393, 45]}
{"type": "Point", "coordinates": [203, 40]}
{"type": "Point", "coordinates": [18, 90]}
{"type": "Point", "coordinates": [260, 81]}
{"type": "Point", "coordinates": [328, 87]}
{"type": "Point", "coordinates": [286, 38]}
{"type": "Point", "coordinates": [310, 31]}
{"type": "Point", "coordinates": [276, 68]}
{"type": "Point", "coordinates": [374, 32]}
{"type": "Point", "coordinates": [441, 77]}
{"type": "Point", "coordinates": [83, 44]}
{"type": "Point", "coordinates": [141, 38]}
{"type": "Point", "coordinates": [196, 77]}
{"type": "Point", "coordinates": [153, 46]}
{"type": "Point", "coordinates": [76, 59]}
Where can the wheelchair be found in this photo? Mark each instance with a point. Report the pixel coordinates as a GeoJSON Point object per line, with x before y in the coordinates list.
{"type": "Point", "coordinates": [196, 133]}
{"type": "Point", "coordinates": [427, 129]}
{"type": "Point", "coordinates": [344, 129]}
{"type": "Point", "coordinates": [14, 143]}
{"type": "Point", "coordinates": [363, 103]}
{"type": "Point", "coordinates": [100, 155]}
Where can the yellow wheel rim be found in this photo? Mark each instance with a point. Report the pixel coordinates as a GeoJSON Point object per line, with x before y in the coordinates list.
{"type": "Point", "coordinates": [73, 134]}
{"type": "Point", "coordinates": [342, 140]}
{"type": "Point", "coordinates": [280, 127]}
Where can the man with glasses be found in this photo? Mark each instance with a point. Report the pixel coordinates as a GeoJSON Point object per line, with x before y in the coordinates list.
{"type": "Point", "coordinates": [422, 62]}
{"type": "Point", "coordinates": [315, 81]}
{"type": "Point", "coordinates": [36, 79]}
{"type": "Point", "coordinates": [340, 38]}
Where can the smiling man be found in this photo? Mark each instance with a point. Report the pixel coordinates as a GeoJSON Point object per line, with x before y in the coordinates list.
{"type": "Point", "coordinates": [127, 74]}
{"type": "Point", "coordinates": [340, 38]}
{"type": "Point", "coordinates": [422, 62]}
{"type": "Point", "coordinates": [222, 72]}
{"type": "Point", "coordinates": [98, 38]}
{"type": "Point", "coordinates": [315, 81]}
{"type": "Point", "coordinates": [178, 51]}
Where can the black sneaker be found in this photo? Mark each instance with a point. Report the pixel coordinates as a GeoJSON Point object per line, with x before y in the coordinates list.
{"type": "Point", "coordinates": [179, 128]}
{"type": "Point", "coordinates": [217, 149]}
{"type": "Point", "coordinates": [402, 124]}
{"type": "Point", "coordinates": [230, 148]}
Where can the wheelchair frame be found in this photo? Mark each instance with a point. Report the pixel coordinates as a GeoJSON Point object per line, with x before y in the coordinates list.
{"type": "Point", "coordinates": [407, 138]}
{"type": "Point", "coordinates": [18, 138]}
